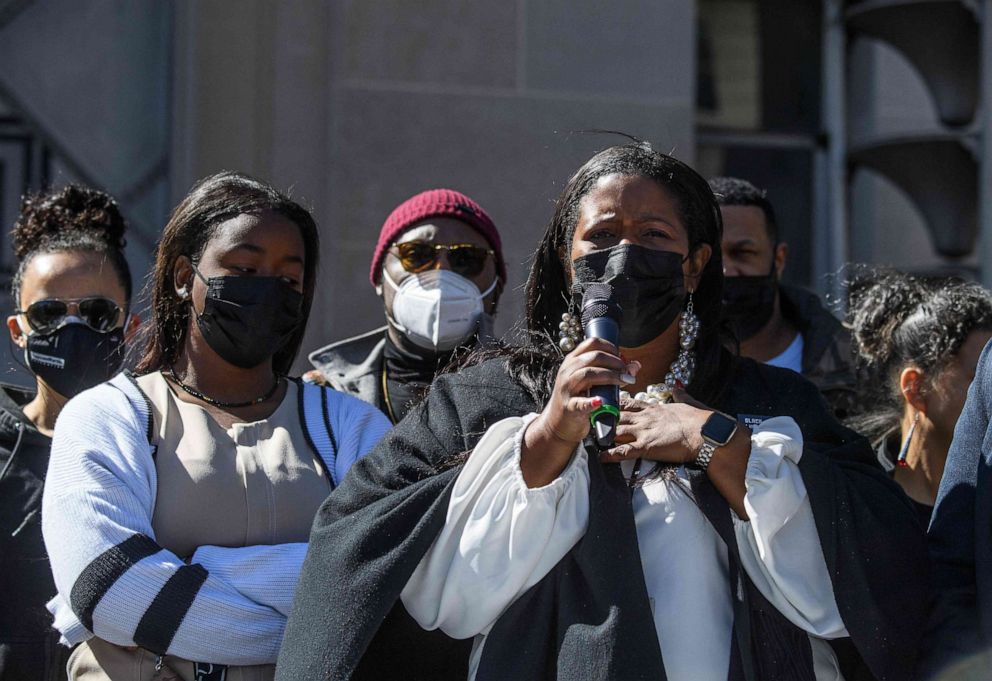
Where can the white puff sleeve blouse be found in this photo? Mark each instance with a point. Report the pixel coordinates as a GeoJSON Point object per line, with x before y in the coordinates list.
{"type": "Point", "coordinates": [501, 537]}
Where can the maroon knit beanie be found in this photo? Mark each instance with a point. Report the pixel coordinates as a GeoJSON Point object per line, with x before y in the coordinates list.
{"type": "Point", "coordinates": [431, 204]}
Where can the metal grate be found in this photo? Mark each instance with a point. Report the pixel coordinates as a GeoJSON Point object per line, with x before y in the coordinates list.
{"type": "Point", "coordinates": [25, 165]}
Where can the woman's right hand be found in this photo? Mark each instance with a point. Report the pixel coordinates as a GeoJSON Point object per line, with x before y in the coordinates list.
{"type": "Point", "coordinates": [553, 436]}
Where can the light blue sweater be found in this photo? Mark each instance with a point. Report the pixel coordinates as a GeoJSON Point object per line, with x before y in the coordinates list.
{"type": "Point", "coordinates": [227, 605]}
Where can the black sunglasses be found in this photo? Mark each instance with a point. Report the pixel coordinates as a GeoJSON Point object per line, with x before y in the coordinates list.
{"type": "Point", "coordinates": [99, 313]}
{"type": "Point", "coordinates": [467, 260]}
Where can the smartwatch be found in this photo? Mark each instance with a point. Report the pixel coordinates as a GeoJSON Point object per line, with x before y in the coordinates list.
{"type": "Point", "coordinates": [717, 431]}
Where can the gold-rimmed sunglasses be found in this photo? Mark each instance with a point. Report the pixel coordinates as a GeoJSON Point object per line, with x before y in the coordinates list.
{"type": "Point", "coordinates": [467, 260]}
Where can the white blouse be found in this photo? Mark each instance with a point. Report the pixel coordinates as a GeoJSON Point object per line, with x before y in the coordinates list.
{"type": "Point", "coordinates": [501, 537]}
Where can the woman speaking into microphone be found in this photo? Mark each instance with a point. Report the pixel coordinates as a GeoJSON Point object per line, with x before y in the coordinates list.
{"type": "Point", "coordinates": [734, 530]}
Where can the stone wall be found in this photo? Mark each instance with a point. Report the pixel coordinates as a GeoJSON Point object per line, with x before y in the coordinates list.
{"type": "Point", "coordinates": [357, 105]}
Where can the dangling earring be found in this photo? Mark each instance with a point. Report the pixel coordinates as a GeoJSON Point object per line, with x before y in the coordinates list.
{"type": "Point", "coordinates": [685, 364]}
{"type": "Point", "coordinates": [904, 450]}
{"type": "Point", "coordinates": [569, 330]}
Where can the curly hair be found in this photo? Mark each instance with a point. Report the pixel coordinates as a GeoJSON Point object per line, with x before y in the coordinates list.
{"type": "Point", "coordinates": [212, 201]}
{"type": "Point", "coordinates": [74, 218]}
{"type": "Point", "coordinates": [899, 321]}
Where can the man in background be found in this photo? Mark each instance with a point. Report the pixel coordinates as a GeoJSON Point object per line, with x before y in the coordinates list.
{"type": "Point", "coordinates": [780, 325]}
{"type": "Point", "coordinates": [438, 267]}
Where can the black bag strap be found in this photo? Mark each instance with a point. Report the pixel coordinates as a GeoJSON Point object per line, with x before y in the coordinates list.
{"type": "Point", "coordinates": [316, 421]}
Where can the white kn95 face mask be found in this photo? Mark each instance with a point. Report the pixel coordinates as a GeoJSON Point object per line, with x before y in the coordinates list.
{"type": "Point", "coordinates": [437, 309]}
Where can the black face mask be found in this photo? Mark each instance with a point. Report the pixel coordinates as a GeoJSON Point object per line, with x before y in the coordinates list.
{"type": "Point", "coordinates": [748, 302]}
{"type": "Point", "coordinates": [74, 358]}
{"type": "Point", "coordinates": [246, 320]}
{"type": "Point", "coordinates": [648, 285]}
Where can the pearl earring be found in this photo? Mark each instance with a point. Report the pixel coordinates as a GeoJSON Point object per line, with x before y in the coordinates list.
{"type": "Point", "coordinates": [569, 332]}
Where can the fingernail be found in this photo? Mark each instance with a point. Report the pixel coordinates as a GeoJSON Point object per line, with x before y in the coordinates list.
{"type": "Point", "coordinates": [628, 379]}
{"type": "Point", "coordinates": [597, 401]}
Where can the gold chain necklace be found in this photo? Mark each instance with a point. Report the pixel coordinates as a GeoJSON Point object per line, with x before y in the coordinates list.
{"type": "Point", "coordinates": [385, 395]}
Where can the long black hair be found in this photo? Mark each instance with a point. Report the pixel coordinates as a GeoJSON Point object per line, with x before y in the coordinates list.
{"type": "Point", "coordinates": [212, 201]}
{"type": "Point", "coordinates": [548, 289]}
{"type": "Point", "coordinates": [899, 321]}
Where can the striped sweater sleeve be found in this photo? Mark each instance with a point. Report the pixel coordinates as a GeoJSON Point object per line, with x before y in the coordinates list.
{"type": "Point", "coordinates": [119, 583]}
{"type": "Point", "coordinates": [265, 573]}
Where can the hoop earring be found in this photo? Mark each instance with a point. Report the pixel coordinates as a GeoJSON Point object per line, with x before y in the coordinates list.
{"type": "Point", "coordinates": [904, 450]}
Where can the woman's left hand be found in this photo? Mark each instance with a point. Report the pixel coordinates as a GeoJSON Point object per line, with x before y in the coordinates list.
{"type": "Point", "coordinates": [670, 433]}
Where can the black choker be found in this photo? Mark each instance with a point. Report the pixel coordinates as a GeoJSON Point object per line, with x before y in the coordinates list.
{"type": "Point", "coordinates": [217, 403]}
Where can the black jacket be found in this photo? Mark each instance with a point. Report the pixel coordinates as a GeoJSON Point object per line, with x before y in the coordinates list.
{"type": "Point", "coordinates": [960, 636]}
{"type": "Point", "coordinates": [589, 618]}
{"type": "Point", "coordinates": [827, 359]}
{"type": "Point", "coordinates": [29, 649]}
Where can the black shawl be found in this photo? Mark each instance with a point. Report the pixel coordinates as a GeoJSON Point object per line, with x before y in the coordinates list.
{"type": "Point", "coordinates": [589, 618]}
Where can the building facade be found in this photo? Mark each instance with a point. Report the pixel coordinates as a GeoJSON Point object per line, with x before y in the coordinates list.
{"type": "Point", "coordinates": [355, 105]}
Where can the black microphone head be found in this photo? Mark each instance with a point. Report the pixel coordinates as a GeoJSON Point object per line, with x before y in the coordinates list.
{"type": "Point", "coordinates": [598, 301]}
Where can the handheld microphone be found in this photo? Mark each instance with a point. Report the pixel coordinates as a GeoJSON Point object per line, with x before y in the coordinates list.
{"type": "Point", "coordinates": [601, 318]}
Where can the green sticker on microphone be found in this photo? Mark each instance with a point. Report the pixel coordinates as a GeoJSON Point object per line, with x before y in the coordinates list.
{"type": "Point", "coordinates": [605, 409]}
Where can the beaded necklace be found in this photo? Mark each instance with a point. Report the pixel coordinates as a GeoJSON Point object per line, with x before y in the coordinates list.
{"type": "Point", "coordinates": [190, 390]}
